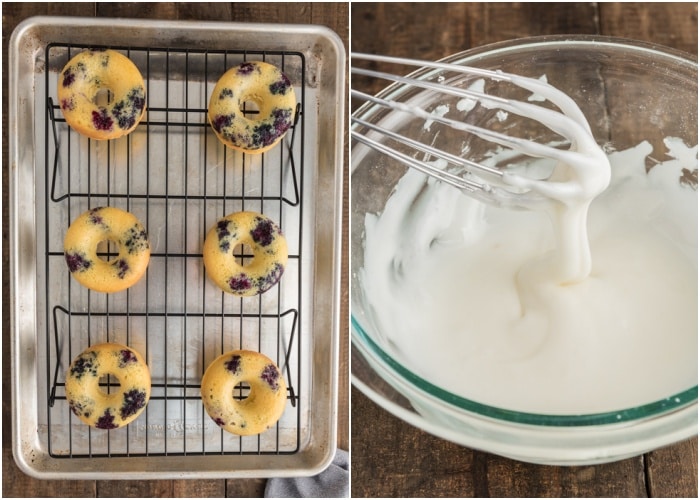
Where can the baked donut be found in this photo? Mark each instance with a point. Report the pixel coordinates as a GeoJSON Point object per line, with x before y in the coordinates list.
{"type": "Point", "coordinates": [93, 405]}
{"type": "Point", "coordinates": [269, 89]}
{"type": "Point", "coordinates": [102, 94]}
{"type": "Point", "coordinates": [265, 402]}
{"type": "Point", "coordinates": [106, 224]}
{"type": "Point", "coordinates": [262, 236]}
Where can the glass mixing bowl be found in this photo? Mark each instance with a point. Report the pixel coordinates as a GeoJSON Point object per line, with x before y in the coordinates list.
{"type": "Point", "coordinates": [630, 92]}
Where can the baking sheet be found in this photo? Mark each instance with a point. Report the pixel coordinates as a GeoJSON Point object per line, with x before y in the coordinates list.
{"type": "Point", "coordinates": [174, 175]}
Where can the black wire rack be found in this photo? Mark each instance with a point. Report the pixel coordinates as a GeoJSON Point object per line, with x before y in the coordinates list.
{"type": "Point", "coordinates": [178, 179]}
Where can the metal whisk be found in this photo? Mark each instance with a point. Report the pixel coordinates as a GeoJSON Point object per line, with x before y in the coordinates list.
{"type": "Point", "coordinates": [488, 183]}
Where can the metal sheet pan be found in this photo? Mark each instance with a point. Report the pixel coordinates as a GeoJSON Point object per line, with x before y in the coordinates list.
{"type": "Point", "coordinates": [178, 179]}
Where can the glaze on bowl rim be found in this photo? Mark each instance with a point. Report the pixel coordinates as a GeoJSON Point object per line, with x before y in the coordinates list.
{"type": "Point", "coordinates": [652, 409]}
{"type": "Point", "coordinates": [368, 346]}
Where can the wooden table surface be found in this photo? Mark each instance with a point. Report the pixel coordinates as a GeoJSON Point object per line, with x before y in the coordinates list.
{"type": "Point", "coordinates": [389, 457]}
{"type": "Point", "coordinates": [14, 482]}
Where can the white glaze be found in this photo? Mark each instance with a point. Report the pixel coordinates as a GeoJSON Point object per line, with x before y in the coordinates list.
{"type": "Point", "coordinates": [470, 297]}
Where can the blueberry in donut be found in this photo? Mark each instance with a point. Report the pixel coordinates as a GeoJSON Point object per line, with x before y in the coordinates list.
{"type": "Point", "coordinates": [263, 85]}
{"type": "Point", "coordinates": [94, 406]}
{"type": "Point", "coordinates": [113, 225]}
{"type": "Point", "coordinates": [260, 409]}
{"type": "Point", "coordinates": [269, 247]}
{"type": "Point", "coordinates": [101, 94]}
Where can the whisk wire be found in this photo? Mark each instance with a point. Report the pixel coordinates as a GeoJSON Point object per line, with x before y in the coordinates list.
{"type": "Point", "coordinates": [568, 121]}
{"type": "Point", "coordinates": [422, 166]}
{"type": "Point", "coordinates": [567, 105]}
{"type": "Point", "coordinates": [424, 148]}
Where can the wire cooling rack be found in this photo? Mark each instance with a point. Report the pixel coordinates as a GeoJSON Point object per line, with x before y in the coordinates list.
{"type": "Point", "coordinates": [178, 179]}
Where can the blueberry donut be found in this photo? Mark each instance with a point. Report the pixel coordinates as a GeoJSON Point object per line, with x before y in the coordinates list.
{"type": "Point", "coordinates": [101, 94]}
{"type": "Point", "coordinates": [106, 224]}
{"type": "Point", "coordinates": [262, 236]}
{"type": "Point", "coordinates": [265, 86]}
{"type": "Point", "coordinates": [264, 404]}
{"type": "Point", "coordinates": [95, 406]}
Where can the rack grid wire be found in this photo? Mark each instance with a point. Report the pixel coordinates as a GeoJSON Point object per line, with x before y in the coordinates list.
{"type": "Point", "coordinates": [178, 179]}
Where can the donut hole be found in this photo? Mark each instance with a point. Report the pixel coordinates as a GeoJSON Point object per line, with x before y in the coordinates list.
{"type": "Point", "coordinates": [243, 254]}
{"type": "Point", "coordinates": [103, 98]}
{"type": "Point", "coordinates": [241, 392]}
{"type": "Point", "coordinates": [107, 250]}
{"type": "Point", "coordinates": [108, 383]}
{"type": "Point", "coordinates": [250, 106]}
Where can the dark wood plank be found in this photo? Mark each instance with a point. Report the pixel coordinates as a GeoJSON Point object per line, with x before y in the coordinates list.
{"type": "Point", "coordinates": [510, 478]}
{"type": "Point", "coordinates": [335, 15]}
{"type": "Point", "coordinates": [212, 488]}
{"type": "Point", "coordinates": [393, 459]}
{"type": "Point", "coordinates": [492, 22]}
{"type": "Point", "coordinates": [245, 488]}
{"type": "Point", "coordinates": [289, 12]}
{"type": "Point", "coordinates": [134, 489]}
{"type": "Point", "coordinates": [214, 11]}
{"type": "Point", "coordinates": [419, 30]}
{"type": "Point", "coordinates": [137, 10]}
{"type": "Point", "coordinates": [672, 472]}
{"type": "Point", "coordinates": [435, 30]}
{"type": "Point", "coordinates": [667, 23]}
